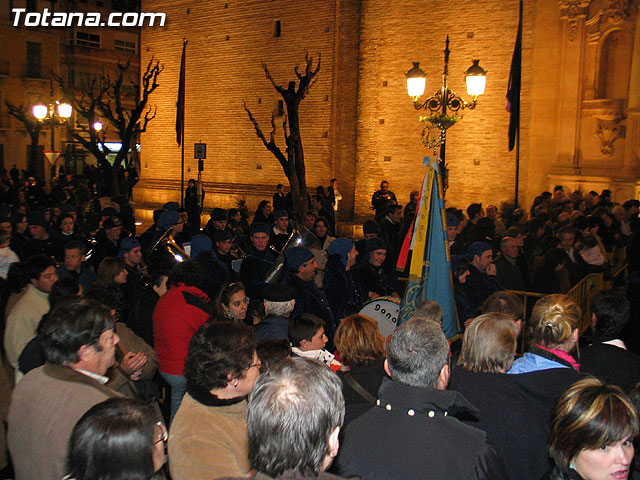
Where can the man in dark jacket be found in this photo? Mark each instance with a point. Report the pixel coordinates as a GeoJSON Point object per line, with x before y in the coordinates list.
{"type": "Point", "coordinates": [481, 281]}
{"type": "Point", "coordinates": [368, 275]}
{"type": "Point", "coordinates": [381, 199]}
{"type": "Point", "coordinates": [279, 301]}
{"type": "Point", "coordinates": [258, 261]}
{"type": "Point", "coordinates": [74, 267]}
{"type": "Point", "coordinates": [508, 272]}
{"type": "Point", "coordinates": [42, 242]}
{"type": "Point", "coordinates": [301, 265]}
{"type": "Point", "coordinates": [108, 244]}
{"type": "Point", "coordinates": [390, 232]}
{"type": "Point", "coordinates": [607, 357]}
{"type": "Point", "coordinates": [412, 432]}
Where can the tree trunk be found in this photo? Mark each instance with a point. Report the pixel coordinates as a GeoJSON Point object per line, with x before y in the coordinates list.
{"type": "Point", "coordinates": [33, 161]}
{"type": "Point", "coordinates": [300, 197]}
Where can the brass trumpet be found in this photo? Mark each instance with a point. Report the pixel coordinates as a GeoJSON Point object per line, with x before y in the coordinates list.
{"type": "Point", "coordinates": [299, 237]}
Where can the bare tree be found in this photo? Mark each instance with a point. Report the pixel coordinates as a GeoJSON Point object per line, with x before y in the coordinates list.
{"type": "Point", "coordinates": [33, 126]}
{"type": "Point", "coordinates": [292, 159]}
{"type": "Point", "coordinates": [105, 100]}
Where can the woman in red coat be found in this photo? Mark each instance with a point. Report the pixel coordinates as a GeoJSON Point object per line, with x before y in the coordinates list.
{"type": "Point", "coordinates": [177, 316]}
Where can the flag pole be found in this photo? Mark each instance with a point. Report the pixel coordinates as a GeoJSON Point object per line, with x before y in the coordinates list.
{"type": "Point", "coordinates": [520, 6]}
{"type": "Point", "coordinates": [513, 99]}
{"type": "Point", "coordinates": [517, 165]}
{"type": "Point", "coordinates": [180, 116]}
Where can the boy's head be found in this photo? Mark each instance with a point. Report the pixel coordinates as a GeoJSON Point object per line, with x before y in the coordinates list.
{"type": "Point", "coordinates": [306, 332]}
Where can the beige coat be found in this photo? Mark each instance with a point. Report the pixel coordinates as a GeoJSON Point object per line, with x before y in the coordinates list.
{"type": "Point", "coordinates": [23, 321]}
{"type": "Point", "coordinates": [208, 442]}
{"type": "Point", "coordinates": [45, 406]}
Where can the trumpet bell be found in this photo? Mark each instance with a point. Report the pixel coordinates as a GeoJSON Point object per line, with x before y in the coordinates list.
{"type": "Point", "coordinates": [166, 252]}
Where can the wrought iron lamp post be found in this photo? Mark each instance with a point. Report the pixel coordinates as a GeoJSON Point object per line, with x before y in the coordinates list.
{"type": "Point", "coordinates": [56, 113]}
{"type": "Point", "coordinates": [444, 104]}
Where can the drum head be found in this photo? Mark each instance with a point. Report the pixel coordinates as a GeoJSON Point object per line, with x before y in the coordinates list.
{"type": "Point", "coordinates": [384, 310]}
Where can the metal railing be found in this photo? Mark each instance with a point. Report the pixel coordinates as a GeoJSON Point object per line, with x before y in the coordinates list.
{"type": "Point", "coordinates": [581, 293]}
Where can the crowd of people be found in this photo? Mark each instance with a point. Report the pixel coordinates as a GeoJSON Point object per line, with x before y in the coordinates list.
{"type": "Point", "coordinates": [237, 350]}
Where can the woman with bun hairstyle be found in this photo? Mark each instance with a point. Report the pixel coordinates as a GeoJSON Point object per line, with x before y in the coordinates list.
{"type": "Point", "coordinates": [554, 329]}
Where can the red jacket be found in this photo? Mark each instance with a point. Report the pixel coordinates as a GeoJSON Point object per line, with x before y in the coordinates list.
{"type": "Point", "coordinates": [177, 316]}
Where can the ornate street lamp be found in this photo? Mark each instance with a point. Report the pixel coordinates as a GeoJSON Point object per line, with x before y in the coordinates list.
{"type": "Point", "coordinates": [444, 104]}
{"type": "Point", "coordinates": [56, 113]}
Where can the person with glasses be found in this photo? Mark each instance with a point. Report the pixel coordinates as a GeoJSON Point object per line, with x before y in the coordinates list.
{"type": "Point", "coordinates": [79, 344]}
{"type": "Point", "coordinates": [117, 439]}
{"type": "Point", "coordinates": [208, 436]}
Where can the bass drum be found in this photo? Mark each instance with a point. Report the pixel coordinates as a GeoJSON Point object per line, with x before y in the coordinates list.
{"type": "Point", "coordinates": [385, 311]}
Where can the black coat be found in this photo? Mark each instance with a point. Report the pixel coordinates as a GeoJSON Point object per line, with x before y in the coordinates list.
{"type": "Point", "coordinates": [510, 276]}
{"type": "Point", "coordinates": [611, 364]}
{"type": "Point", "coordinates": [390, 233]}
{"type": "Point", "coordinates": [273, 327]}
{"type": "Point", "coordinates": [368, 377]}
{"type": "Point", "coordinates": [342, 295]}
{"type": "Point", "coordinates": [479, 286]}
{"type": "Point", "coordinates": [254, 269]}
{"type": "Point", "coordinates": [512, 418]}
{"type": "Point", "coordinates": [559, 474]}
{"type": "Point", "coordinates": [367, 278]}
{"type": "Point", "coordinates": [51, 247]}
{"type": "Point", "coordinates": [140, 318]}
{"type": "Point", "coordinates": [310, 299]}
{"type": "Point", "coordinates": [217, 273]}
{"type": "Point", "coordinates": [413, 435]}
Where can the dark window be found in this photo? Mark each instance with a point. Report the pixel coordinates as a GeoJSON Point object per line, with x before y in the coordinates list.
{"type": "Point", "coordinates": [124, 46]}
{"type": "Point", "coordinates": [32, 6]}
{"type": "Point", "coordinates": [87, 39]}
{"type": "Point", "coordinates": [279, 108]}
{"type": "Point", "coordinates": [1, 156]}
{"type": "Point", "coordinates": [277, 29]}
{"type": "Point", "coordinates": [34, 60]}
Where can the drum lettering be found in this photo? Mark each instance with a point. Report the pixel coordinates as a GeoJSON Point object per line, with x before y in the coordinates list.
{"type": "Point", "coordinates": [376, 307]}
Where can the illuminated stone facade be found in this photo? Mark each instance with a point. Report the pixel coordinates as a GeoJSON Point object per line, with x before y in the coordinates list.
{"type": "Point", "coordinates": [580, 96]}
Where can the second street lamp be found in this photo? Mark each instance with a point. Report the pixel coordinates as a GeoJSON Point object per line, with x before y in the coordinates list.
{"type": "Point", "coordinates": [56, 113]}
{"type": "Point", "coordinates": [444, 104]}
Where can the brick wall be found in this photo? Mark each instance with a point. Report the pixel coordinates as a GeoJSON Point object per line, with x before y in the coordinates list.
{"type": "Point", "coordinates": [356, 115]}
{"type": "Point", "coordinates": [227, 43]}
{"type": "Point", "coordinates": [395, 34]}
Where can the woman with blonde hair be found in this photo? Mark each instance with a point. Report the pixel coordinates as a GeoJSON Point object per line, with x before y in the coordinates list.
{"type": "Point", "coordinates": [489, 343]}
{"type": "Point", "coordinates": [592, 433]}
{"type": "Point", "coordinates": [361, 349]}
{"type": "Point", "coordinates": [507, 412]}
{"type": "Point", "coordinates": [554, 329]}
